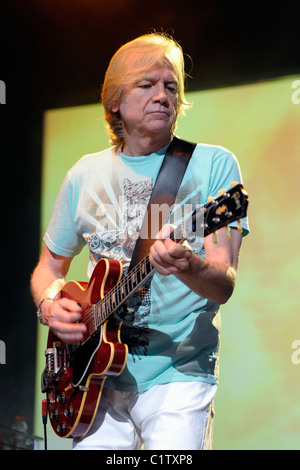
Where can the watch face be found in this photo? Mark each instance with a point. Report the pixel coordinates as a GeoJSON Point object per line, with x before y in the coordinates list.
{"type": "Point", "coordinates": [39, 313]}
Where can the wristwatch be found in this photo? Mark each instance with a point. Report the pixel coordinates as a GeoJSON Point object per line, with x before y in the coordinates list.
{"type": "Point", "coordinates": [39, 310]}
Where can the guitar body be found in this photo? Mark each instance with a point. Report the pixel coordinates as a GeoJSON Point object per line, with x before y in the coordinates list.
{"type": "Point", "coordinates": [76, 375]}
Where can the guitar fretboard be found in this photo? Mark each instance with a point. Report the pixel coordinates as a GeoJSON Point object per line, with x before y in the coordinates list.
{"type": "Point", "coordinates": [230, 206]}
{"type": "Point", "coordinates": [129, 284]}
{"type": "Point", "coordinates": [122, 291]}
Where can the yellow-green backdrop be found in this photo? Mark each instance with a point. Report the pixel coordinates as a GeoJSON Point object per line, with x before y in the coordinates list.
{"type": "Point", "coordinates": [258, 401]}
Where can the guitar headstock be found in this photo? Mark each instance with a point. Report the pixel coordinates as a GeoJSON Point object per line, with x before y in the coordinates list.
{"type": "Point", "coordinates": [229, 206]}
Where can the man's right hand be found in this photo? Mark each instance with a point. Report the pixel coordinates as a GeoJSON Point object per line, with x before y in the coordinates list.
{"type": "Point", "coordinates": [63, 316]}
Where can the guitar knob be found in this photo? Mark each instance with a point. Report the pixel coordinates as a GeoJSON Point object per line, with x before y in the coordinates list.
{"type": "Point", "coordinates": [210, 199]}
{"type": "Point", "coordinates": [69, 412]}
{"type": "Point", "coordinates": [54, 415]}
{"type": "Point", "coordinates": [61, 429]}
{"type": "Point", "coordinates": [61, 398]}
{"type": "Point", "coordinates": [234, 183]}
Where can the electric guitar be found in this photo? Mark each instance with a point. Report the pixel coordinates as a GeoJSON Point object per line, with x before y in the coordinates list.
{"type": "Point", "coordinates": [74, 376]}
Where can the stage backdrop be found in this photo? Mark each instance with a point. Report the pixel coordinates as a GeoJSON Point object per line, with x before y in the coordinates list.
{"type": "Point", "coordinates": [258, 401]}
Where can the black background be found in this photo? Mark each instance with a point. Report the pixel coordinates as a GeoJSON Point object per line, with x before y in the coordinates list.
{"type": "Point", "coordinates": [54, 53]}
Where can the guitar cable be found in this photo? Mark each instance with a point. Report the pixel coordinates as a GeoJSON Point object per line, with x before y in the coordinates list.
{"type": "Point", "coordinates": [44, 417]}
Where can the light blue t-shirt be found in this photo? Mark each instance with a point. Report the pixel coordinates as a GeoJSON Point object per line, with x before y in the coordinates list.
{"type": "Point", "coordinates": [172, 332]}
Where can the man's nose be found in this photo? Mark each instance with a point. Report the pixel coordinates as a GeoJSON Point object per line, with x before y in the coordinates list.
{"type": "Point", "coordinates": [160, 94]}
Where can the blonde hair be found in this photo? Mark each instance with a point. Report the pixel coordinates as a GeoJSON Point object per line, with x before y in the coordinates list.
{"type": "Point", "coordinates": [129, 63]}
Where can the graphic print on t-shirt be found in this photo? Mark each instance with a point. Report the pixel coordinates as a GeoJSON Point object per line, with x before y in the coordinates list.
{"type": "Point", "coordinates": [119, 244]}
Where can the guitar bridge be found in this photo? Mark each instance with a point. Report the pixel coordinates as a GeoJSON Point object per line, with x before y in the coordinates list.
{"type": "Point", "coordinates": [54, 365]}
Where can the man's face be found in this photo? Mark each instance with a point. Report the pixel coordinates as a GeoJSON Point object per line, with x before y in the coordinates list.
{"type": "Point", "coordinates": [149, 107]}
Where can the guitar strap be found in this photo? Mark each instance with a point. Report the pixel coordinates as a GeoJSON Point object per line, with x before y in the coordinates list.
{"type": "Point", "coordinates": [166, 187]}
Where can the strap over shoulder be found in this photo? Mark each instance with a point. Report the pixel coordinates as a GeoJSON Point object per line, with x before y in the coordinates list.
{"type": "Point", "coordinates": [166, 187]}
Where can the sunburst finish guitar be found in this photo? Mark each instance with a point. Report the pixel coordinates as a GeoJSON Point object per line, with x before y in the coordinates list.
{"type": "Point", "coordinates": [74, 375]}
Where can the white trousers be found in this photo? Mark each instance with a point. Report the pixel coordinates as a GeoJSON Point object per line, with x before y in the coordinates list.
{"type": "Point", "coordinates": [171, 416]}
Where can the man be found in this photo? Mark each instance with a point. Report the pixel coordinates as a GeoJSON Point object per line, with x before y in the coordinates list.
{"type": "Point", "coordinates": [164, 396]}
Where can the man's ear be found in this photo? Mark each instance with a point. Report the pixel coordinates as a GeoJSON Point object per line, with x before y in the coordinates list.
{"type": "Point", "coordinates": [115, 107]}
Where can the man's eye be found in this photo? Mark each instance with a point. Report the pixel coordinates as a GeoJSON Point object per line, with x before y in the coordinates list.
{"type": "Point", "coordinates": [170, 86]}
{"type": "Point", "coordinates": [171, 89]}
{"type": "Point", "coordinates": [145, 85]}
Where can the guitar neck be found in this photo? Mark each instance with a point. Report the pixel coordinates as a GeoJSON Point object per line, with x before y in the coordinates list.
{"type": "Point", "coordinates": [128, 285]}
{"type": "Point", "coordinates": [230, 206]}
{"type": "Point", "coordinates": [119, 294]}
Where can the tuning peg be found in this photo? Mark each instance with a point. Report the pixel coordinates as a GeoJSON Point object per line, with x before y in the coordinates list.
{"type": "Point", "coordinates": [240, 227]}
{"type": "Point", "coordinates": [210, 199]}
{"type": "Point", "coordinates": [215, 238]}
{"type": "Point", "coordinates": [228, 234]}
{"type": "Point", "coordinates": [234, 183]}
{"type": "Point", "coordinates": [222, 191]}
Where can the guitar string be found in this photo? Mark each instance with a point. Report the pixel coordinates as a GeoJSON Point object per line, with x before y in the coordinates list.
{"type": "Point", "coordinates": [100, 306]}
{"type": "Point", "coordinates": [136, 270]}
{"type": "Point", "coordinates": [123, 286]}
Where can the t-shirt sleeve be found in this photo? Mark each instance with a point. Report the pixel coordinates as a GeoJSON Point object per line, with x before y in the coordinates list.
{"type": "Point", "coordinates": [226, 169]}
{"type": "Point", "coordinates": [61, 236]}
